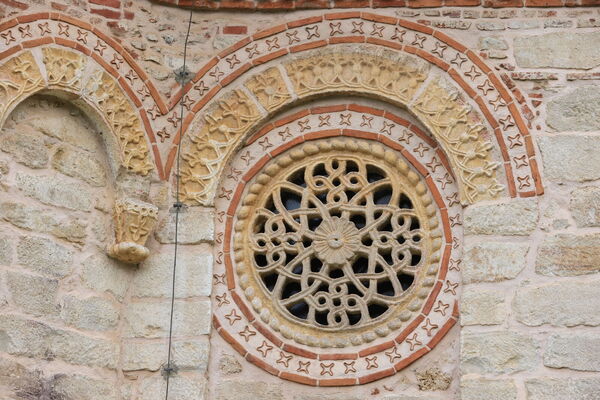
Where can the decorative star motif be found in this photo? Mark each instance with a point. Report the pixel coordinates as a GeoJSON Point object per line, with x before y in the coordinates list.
{"type": "Point", "coordinates": [405, 136]}
{"type": "Point", "coordinates": [116, 61]}
{"type": "Point", "coordinates": [233, 60]}
{"type": "Point", "coordinates": [366, 121]}
{"type": "Point", "coordinates": [453, 199]}
{"type": "Point", "coordinates": [284, 359]}
{"type": "Point", "coordinates": [433, 164]}
{"type": "Point", "coordinates": [398, 34]}
{"type": "Point", "coordinates": [413, 341]}
{"type": "Point", "coordinates": [264, 348]}
{"type": "Point", "coordinates": [82, 36]}
{"type": "Point", "coordinates": [221, 300]}
{"type": "Point", "coordinates": [130, 76]}
{"type": "Point", "coordinates": [371, 362]}
{"type": "Point", "coordinates": [521, 161]}
{"type": "Point", "coordinates": [377, 30]}
{"type": "Point", "coordinates": [285, 134]}
{"type": "Point", "coordinates": [459, 60]}
{"type": "Point", "coordinates": [247, 158]}
{"type": "Point", "coordinates": [455, 220]}
{"type": "Point", "coordinates": [252, 50]}
{"type": "Point", "coordinates": [418, 41]}
{"type": "Point", "coordinates": [421, 149]}
{"type": "Point", "coordinates": [44, 28]}
{"type": "Point", "coordinates": [272, 44]}
{"type": "Point", "coordinates": [451, 287]}
{"type": "Point", "coordinates": [247, 333]}
{"type": "Point", "coordinates": [163, 135]}
{"type": "Point", "coordinates": [429, 327]}
{"type": "Point", "coordinates": [220, 216]}
{"type": "Point", "coordinates": [393, 354]}
{"type": "Point", "coordinates": [345, 119]}
{"type": "Point", "coordinates": [174, 119]}
{"type": "Point", "coordinates": [234, 174]}
{"type": "Point", "coordinates": [292, 37]}
{"type": "Point", "coordinates": [455, 243]}
{"type": "Point", "coordinates": [336, 28]}
{"type": "Point", "coordinates": [216, 73]}
{"type": "Point", "coordinates": [8, 37]}
{"type": "Point", "coordinates": [303, 366]}
{"type": "Point", "coordinates": [441, 308]}
{"type": "Point", "coordinates": [349, 365]}
{"type": "Point", "coordinates": [444, 181]}
{"type": "Point", "coordinates": [486, 87]}
{"type": "Point", "coordinates": [498, 102]}
{"type": "Point", "coordinates": [265, 144]}
{"type": "Point", "coordinates": [201, 87]}
{"type": "Point", "coordinates": [312, 31]}
{"type": "Point", "coordinates": [473, 73]}
{"type": "Point", "coordinates": [387, 128]}
{"type": "Point", "coordinates": [324, 120]}
{"type": "Point", "coordinates": [187, 102]}
{"type": "Point", "coordinates": [515, 141]}
{"type": "Point", "coordinates": [154, 112]}
{"type": "Point", "coordinates": [232, 317]}
{"type": "Point", "coordinates": [304, 125]}
{"type": "Point", "coordinates": [63, 29]}
{"type": "Point", "coordinates": [225, 194]}
{"type": "Point", "coordinates": [219, 279]}
{"type": "Point", "coordinates": [327, 369]}
{"type": "Point", "coordinates": [100, 47]}
{"type": "Point", "coordinates": [506, 122]}
{"type": "Point", "coordinates": [454, 265]}
{"type": "Point", "coordinates": [524, 181]}
{"type": "Point", "coordinates": [357, 27]}
{"type": "Point", "coordinates": [25, 31]}
{"type": "Point", "coordinates": [219, 240]}
{"type": "Point", "coordinates": [439, 49]}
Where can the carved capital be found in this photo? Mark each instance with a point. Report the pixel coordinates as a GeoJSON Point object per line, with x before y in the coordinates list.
{"type": "Point", "coordinates": [134, 221]}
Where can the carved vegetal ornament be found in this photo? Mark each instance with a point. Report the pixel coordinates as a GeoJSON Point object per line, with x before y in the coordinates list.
{"type": "Point", "coordinates": [134, 221]}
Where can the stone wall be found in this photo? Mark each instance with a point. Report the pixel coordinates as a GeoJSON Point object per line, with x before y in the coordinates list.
{"type": "Point", "coordinates": [76, 324]}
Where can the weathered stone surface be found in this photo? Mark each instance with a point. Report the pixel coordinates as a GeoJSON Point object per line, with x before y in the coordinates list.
{"type": "Point", "coordinates": [234, 390]}
{"type": "Point", "coordinates": [569, 255]}
{"type": "Point", "coordinates": [44, 221]}
{"type": "Point", "coordinates": [151, 320]}
{"type": "Point", "coordinates": [82, 387]}
{"type": "Point", "coordinates": [55, 192]}
{"type": "Point", "coordinates": [189, 354]}
{"type": "Point", "coordinates": [585, 206]}
{"type": "Point", "coordinates": [229, 365]}
{"type": "Point", "coordinates": [493, 261]}
{"type": "Point", "coordinates": [196, 226]}
{"type": "Point", "coordinates": [193, 278]}
{"type": "Point", "coordinates": [573, 350]}
{"type": "Point", "coordinates": [44, 256]}
{"type": "Point", "coordinates": [104, 274]}
{"type": "Point", "coordinates": [6, 251]}
{"type": "Point", "coordinates": [558, 50]}
{"type": "Point", "coordinates": [482, 307]}
{"type": "Point", "coordinates": [27, 148]}
{"type": "Point", "coordinates": [559, 304]}
{"type": "Point", "coordinates": [487, 389]}
{"type": "Point", "coordinates": [188, 387]}
{"type": "Point", "coordinates": [569, 158]}
{"type": "Point", "coordinates": [497, 352]}
{"type": "Point", "coordinates": [562, 389]}
{"type": "Point", "coordinates": [512, 217]}
{"type": "Point", "coordinates": [14, 377]}
{"type": "Point", "coordinates": [34, 295]}
{"type": "Point", "coordinates": [79, 164]}
{"type": "Point", "coordinates": [575, 110]}
{"type": "Point", "coordinates": [91, 313]}
{"type": "Point", "coordinates": [433, 379]}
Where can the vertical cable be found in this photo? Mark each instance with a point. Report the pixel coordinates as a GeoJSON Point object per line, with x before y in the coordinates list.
{"type": "Point", "coordinates": [177, 205]}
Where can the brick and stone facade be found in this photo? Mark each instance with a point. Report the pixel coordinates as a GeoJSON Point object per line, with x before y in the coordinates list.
{"type": "Point", "coordinates": [483, 113]}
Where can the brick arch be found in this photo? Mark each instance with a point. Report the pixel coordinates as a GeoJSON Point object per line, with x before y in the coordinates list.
{"type": "Point", "coordinates": [469, 89]}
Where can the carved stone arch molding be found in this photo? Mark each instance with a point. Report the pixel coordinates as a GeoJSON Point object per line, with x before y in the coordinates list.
{"type": "Point", "coordinates": [246, 152]}
{"type": "Point", "coordinates": [54, 56]}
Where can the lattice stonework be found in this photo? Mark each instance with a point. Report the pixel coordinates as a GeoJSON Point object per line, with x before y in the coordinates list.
{"type": "Point", "coordinates": [333, 250]}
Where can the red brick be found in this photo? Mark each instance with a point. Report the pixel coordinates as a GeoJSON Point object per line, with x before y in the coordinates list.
{"type": "Point", "coordinates": [269, 32]}
{"type": "Point", "coordinates": [388, 3]}
{"type": "Point", "coordinates": [379, 18]}
{"type": "Point", "coordinates": [14, 3]}
{"type": "Point", "coordinates": [376, 376]}
{"type": "Point", "coordinates": [304, 21]}
{"type": "Point", "coordinates": [343, 15]}
{"type": "Point", "coordinates": [502, 3]}
{"type": "Point", "coordinates": [299, 352]}
{"type": "Point", "coordinates": [106, 13]}
{"type": "Point", "coordinates": [311, 4]}
{"type": "Point", "coordinates": [235, 30]}
{"type": "Point", "coordinates": [376, 349]}
{"type": "Point", "coordinates": [261, 364]}
{"type": "Point", "coordinates": [59, 6]}
{"type": "Point", "coordinates": [338, 382]}
{"type": "Point", "coordinates": [298, 378]}
{"type": "Point", "coordinates": [107, 3]}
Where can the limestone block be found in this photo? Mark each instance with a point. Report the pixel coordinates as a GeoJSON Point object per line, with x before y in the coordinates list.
{"type": "Point", "coordinates": [82, 387]}
{"type": "Point", "coordinates": [42, 220]}
{"type": "Point", "coordinates": [80, 349]}
{"type": "Point", "coordinates": [55, 192]}
{"type": "Point", "coordinates": [585, 206]}
{"type": "Point", "coordinates": [559, 304]}
{"type": "Point", "coordinates": [27, 148]}
{"type": "Point", "coordinates": [34, 295]}
{"type": "Point", "coordinates": [244, 390]}
{"type": "Point", "coordinates": [512, 217]}
{"type": "Point", "coordinates": [570, 158]}
{"type": "Point", "coordinates": [23, 337]}
{"type": "Point", "coordinates": [91, 313]}
{"type": "Point", "coordinates": [190, 354]}
{"type": "Point", "coordinates": [193, 276]}
{"type": "Point", "coordinates": [482, 307]}
{"type": "Point", "coordinates": [569, 255]}
{"type": "Point", "coordinates": [488, 389]}
{"type": "Point", "coordinates": [196, 225]}
{"type": "Point", "coordinates": [151, 320]}
{"type": "Point", "coordinates": [181, 387]}
{"type": "Point", "coordinates": [15, 377]}
{"type": "Point", "coordinates": [44, 256]}
{"type": "Point", "coordinates": [229, 365]}
{"type": "Point", "coordinates": [79, 164]}
{"type": "Point", "coordinates": [499, 352]}
{"type": "Point", "coordinates": [493, 261]}
{"type": "Point", "coordinates": [558, 50]}
{"type": "Point", "coordinates": [104, 274]}
{"type": "Point", "coordinates": [576, 351]}
{"type": "Point", "coordinates": [6, 251]}
{"type": "Point", "coordinates": [71, 130]}
{"type": "Point", "coordinates": [562, 389]}
{"type": "Point", "coordinates": [575, 110]}
{"type": "Point", "coordinates": [433, 379]}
